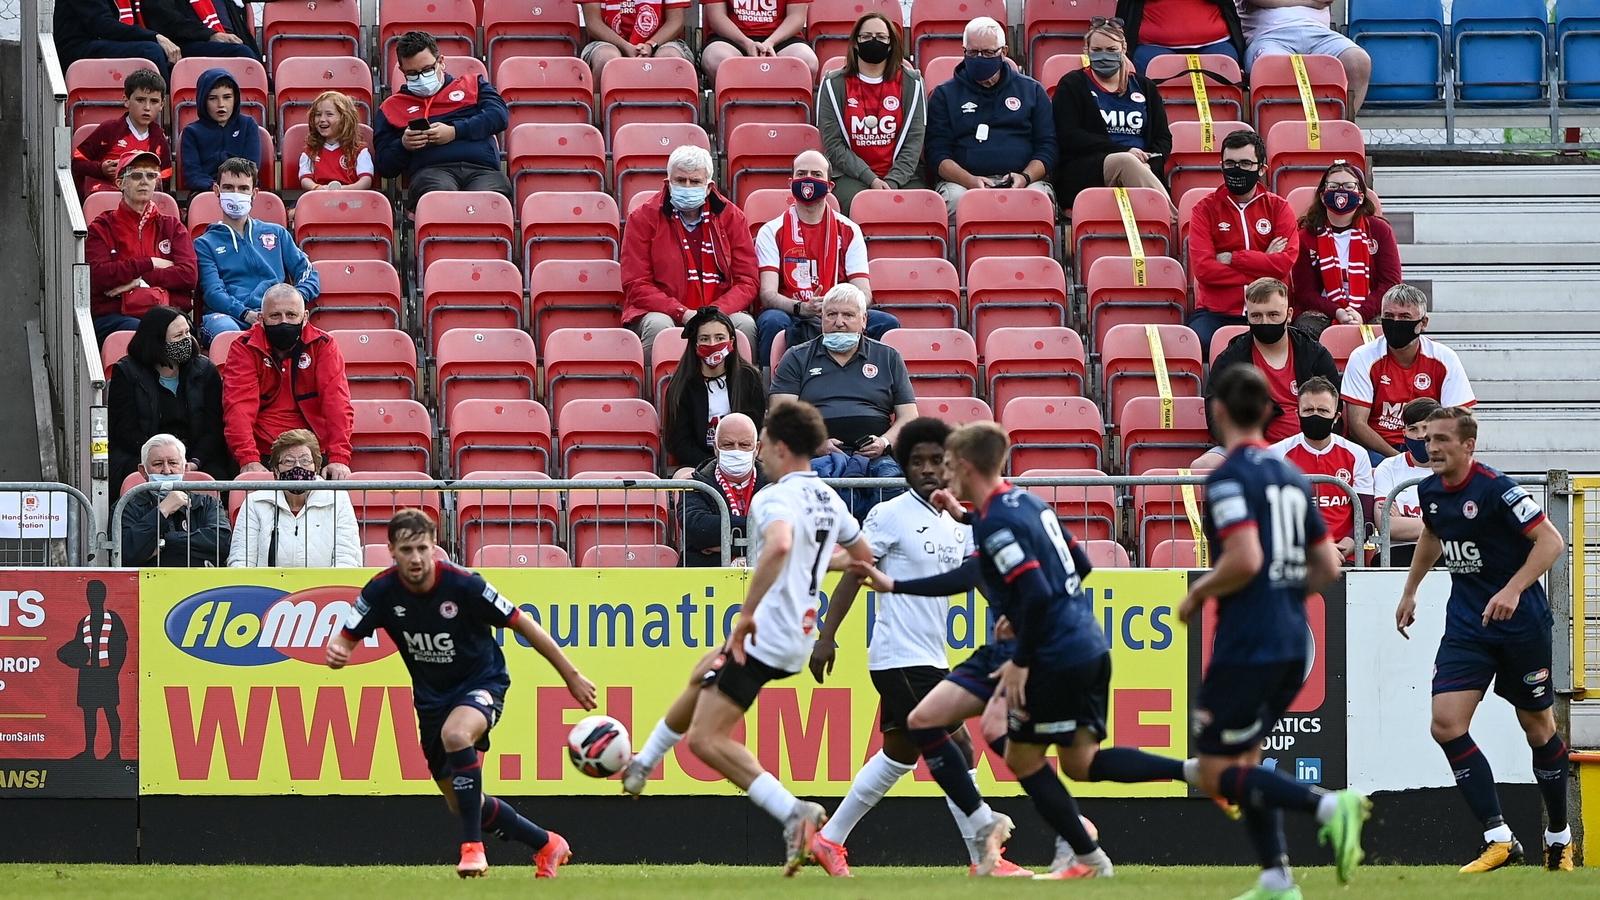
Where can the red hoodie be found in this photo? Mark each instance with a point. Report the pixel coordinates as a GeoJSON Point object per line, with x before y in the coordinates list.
{"type": "Point", "coordinates": [1219, 225]}
{"type": "Point", "coordinates": [119, 248]}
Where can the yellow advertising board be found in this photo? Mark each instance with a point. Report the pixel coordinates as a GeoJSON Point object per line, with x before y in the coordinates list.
{"type": "Point", "coordinates": [235, 700]}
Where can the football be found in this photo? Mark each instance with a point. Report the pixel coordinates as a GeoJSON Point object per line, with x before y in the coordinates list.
{"type": "Point", "coordinates": [598, 746]}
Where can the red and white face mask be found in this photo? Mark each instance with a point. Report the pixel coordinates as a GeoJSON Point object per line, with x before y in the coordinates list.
{"type": "Point", "coordinates": [714, 354]}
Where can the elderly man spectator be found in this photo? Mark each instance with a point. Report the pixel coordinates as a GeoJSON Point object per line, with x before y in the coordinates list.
{"type": "Point", "coordinates": [1238, 234]}
{"type": "Point", "coordinates": [439, 129]}
{"type": "Point", "coordinates": [138, 258]}
{"type": "Point", "coordinates": [241, 257]}
{"type": "Point", "coordinates": [990, 126]}
{"type": "Point", "coordinates": [689, 250]}
{"type": "Point", "coordinates": [1285, 27]}
{"type": "Point", "coordinates": [285, 374]}
{"type": "Point", "coordinates": [1405, 517]}
{"type": "Point", "coordinates": [804, 254]}
{"type": "Point", "coordinates": [172, 527]}
{"type": "Point", "coordinates": [736, 475]}
{"type": "Point", "coordinates": [1384, 375]}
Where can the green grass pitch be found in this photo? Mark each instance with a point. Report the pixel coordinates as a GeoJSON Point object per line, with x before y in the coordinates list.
{"type": "Point", "coordinates": [105, 882]}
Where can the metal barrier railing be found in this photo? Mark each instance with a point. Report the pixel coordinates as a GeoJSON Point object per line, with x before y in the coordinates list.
{"type": "Point", "coordinates": [45, 535]}
{"type": "Point", "coordinates": [1585, 494]}
{"type": "Point", "coordinates": [1385, 510]}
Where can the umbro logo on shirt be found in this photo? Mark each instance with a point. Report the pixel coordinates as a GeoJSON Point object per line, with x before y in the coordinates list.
{"type": "Point", "coordinates": [400, 612]}
{"type": "Point", "coordinates": [816, 371]}
{"type": "Point", "coordinates": [969, 107]}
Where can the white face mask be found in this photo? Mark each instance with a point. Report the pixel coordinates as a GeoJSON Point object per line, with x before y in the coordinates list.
{"type": "Point", "coordinates": [736, 464]}
{"type": "Point", "coordinates": [425, 84]}
{"type": "Point", "coordinates": [236, 206]}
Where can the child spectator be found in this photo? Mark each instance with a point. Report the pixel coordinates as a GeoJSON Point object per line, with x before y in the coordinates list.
{"type": "Point", "coordinates": [334, 157]}
{"type": "Point", "coordinates": [94, 160]}
{"type": "Point", "coordinates": [220, 134]}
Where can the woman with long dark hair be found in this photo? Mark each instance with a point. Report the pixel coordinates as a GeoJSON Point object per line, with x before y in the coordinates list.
{"type": "Point", "coordinates": [1348, 255]}
{"type": "Point", "coordinates": [872, 114]}
{"type": "Point", "coordinates": [712, 380]}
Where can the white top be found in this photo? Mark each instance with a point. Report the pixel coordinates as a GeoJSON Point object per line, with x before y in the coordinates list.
{"type": "Point", "coordinates": [717, 397]}
{"type": "Point", "coordinates": [1391, 472]}
{"type": "Point", "coordinates": [786, 617]}
{"type": "Point", "coordinates": [323, 535]}
{"type": "Point", "coordinates": [768, 256]}
{"type": "Point", "coordinates": [910, 539]}
{"type": "Point", "coordinates": [1257, 21]}
{"type": "Point", "coordinates": [1341, 245]}
{"type": "Point", "coordinates": [363, 161]}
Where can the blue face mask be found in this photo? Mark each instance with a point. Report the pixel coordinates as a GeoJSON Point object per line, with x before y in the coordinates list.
{"type": "Point", "coordinates": [983, 68]}
{"type": "Point", "coordinates": [687, 199]}
{"type": "Point", "coordinates": [160, 478]}
{"type": "Point", "coordinates": [1418, 448]}
{"type": "Point", "coordinates": [840, 341]}
{"type": "Point", "coordinates": [426, 84]}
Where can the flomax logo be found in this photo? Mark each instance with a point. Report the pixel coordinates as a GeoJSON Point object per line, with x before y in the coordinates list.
{"type": "Point", "coordinates": [249, 625]}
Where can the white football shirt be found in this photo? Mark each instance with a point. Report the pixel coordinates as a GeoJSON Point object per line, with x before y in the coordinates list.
{"type": "Point", "coordinates": [911, 539]}
{"type": "Point", "coordinates": [786, 617]}
{"type": "Point", "coordinates": [1390, 472]}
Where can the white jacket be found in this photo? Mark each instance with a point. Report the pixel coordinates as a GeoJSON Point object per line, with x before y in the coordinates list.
{"type": "Point", "coordinates": [323, 535]}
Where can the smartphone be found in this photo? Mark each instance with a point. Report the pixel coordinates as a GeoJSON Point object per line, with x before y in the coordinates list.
{"type": "Point", "coordinates": [865, 442]}
{"type": "Point", "coordinates": [418, 125]}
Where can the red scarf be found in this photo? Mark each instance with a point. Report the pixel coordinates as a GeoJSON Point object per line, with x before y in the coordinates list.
{"type": "Point", "coordinates": [101, 659]}
{"type": "Point", "coordinates": [1346, 287]}
{"type": "Point", "coordinates": [128, 15]}
{"type": "Point", "coordinates": [821, 274]}
{"type": "Point", "coordinates": [699, 262]}
{"type": "Point", "coordinates": [738, 497]}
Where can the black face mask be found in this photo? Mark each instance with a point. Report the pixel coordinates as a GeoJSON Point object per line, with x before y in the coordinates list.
{"type": "Point", "coordinates": [1400, 332]}
{"type": "Point", "coordinates": [283, 336]}
{"type": "Point", "coordinates": [1268, 332]}
{"type": "Point", "coordinates": [296, 473]}
{"type": "Point", "coordinates": [180, 351]}
{"type": "Point", "coordinates": [1316, 427]}
{"type": "Point", "coordinates": [873, 51]}
{"type": "Point", "coordinates": [1239, 181]}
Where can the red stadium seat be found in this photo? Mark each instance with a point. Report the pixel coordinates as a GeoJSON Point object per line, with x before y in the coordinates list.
{"type": "Point", "coordinates": [294, 144]}
{"type": "Point", "coordinates": [626, 556]}
{"type": "Point", "coordinates": [1223, 335]}
{"type": "Point", "coordinates": [921, 293]}
{"type": "Point", "coordinates": [608, 436]}
{"type": "Point", "coordinates": [762, 155]}
{"type": "Point", "coordinates": [221, 344]}
{"type": "Point", "coordinates": [1053, 433]}
{"type": "Point", "coordinates": [1342, 340]}
{"type": "Point", "coordinates": [556, 157]}
{"type": "Point", "coordinates": [453, 23]}
{"type": "Point", "coordinates": [308, 29]}
{"type": "Point", "coordinates": [205, 209]}
{"type": "Point", "coordinates": [829, 22]}
{"type": "Point", "coordinates": [569, 225]}
{"type": "Point", "coordinates": [344, 225]}
{"type": "Point", "coordinates": [1033, 362]}
{"type": "Point", "coordinates": [1147, 445]}
{"type": "Point", "coordinates": [1107, 554]}
{"type": "Point", "coordinates": [467, 67]}
{"type": "Point", "coordinates": [937, 25]}
{"type": "Point", "coordinates": [1015, 292]}
{"type": "Point", "coordinates": [569, 294]}
{"type": "Point", "coordinates": [521, 556]}
{"type": "Point", "coordinates": [1129, 369]}
{"type": "Point", "coordinates": [592, 364]}
{"type": "Point", "coordinates": [1098, 229]}
{"type": "Point", "coordinates": [942, 362]}
{"type": "Point", "coordinates": [1189, 165]}
{"type": "Point", "coordinates": [780, 346]}
{"type": "Point", "coordinates": [374, 509]}
{"type": "Point", "coordinates": [1224, 95]}
{"type": "Point", "coordinates": [636, 517]}
{"type": "Point", "coordinates": [764, 90]}
{"type": "Point", "coordinates": [299, 81]}
{"type": "Point", "coordinates": [105, 201]}
{"type": "Point", "coordinates": [955, 410]}
{"type": "Point", "coordinates": [236, 498]}
{"type": "Point", "coordinates": [1055, 67]}
{"type": "Point", "coordinates": [667, 352]}
{"type": "Point", "coordinates": [1057, 27]}
{"type": "Point", "coordinates": [520, 518]}
{"type": "Point", "coordinates": [937, 71]}
{"type": "Point", "coordinates": [114, 348]}
{"type": "Point", "coordinates": [469, 293]}
{"type": "Point", "coordinates": [1161, 512]}
{"type": "Point", "coordinates": [377, 556]}
{"type": "Point", "coordinates": [546, 91]}
{"type": "Point", "coordinates": [765, 204]}
{"type": "Point", "coordinates": [379, 364]}
{"type": "Point", "coordinates": [515, 29]}
{"type": "Point", "coordinates": [1294, 163]}
{"type": "Point", "coordinates": [639, 152]}
{"type": "Point", "coordinates": [464, 225]}
{"type": "Point", "coordinates": [1089, 513]}
{"type": "Point", "coordinates": [484, 363]}
{"type": "Point", "coordinates": [1173, 554]}
{"type": "Point", "coordinates": [912, 224]}
{"type": "Point", "coordinates": [1275, 91]}
{"type": "Point", "coordinates": [653, 90]}
{"type": "Point", "coordinates": [391, 436]}
{"type": "Point", "coordinates": [490, 435]}
{"type": "Point", "coordinates": [1186, 204]}
{"type": "Point", "coordinates": [94, 90]}
{"type": "Point", "coordinates": [250, 75]}
{"type": "Point", "coordinates": [356, 294]}
{"type": "Point", "coordinates": [1004, 223]}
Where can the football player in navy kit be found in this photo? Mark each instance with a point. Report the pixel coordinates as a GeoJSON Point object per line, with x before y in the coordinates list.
{"type": "Point", "coordinates": [1273, 550]}
{"type": "Point", "coordinates": [1497, 543]}
{"type": "Point", "coordinates": [442, 617]}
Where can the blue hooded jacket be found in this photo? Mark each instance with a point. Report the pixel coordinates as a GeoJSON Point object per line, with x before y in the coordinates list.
{"type": "Point", "coordinates": [206, 145]}
{"type": "Point", "coordinates": [236, 269]}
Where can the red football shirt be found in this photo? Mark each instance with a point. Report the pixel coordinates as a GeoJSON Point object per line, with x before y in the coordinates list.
{"type": "Point", "coordinates": [872, 120]}
{"type": "Point", "coordinates": [1376, 380]}
{"type": "Point", "coordinates": [1340, 459]}
{"type": "Point", "coordinates": [758, 19]}
{"type": "Point", "coordinates": [1285, 393]}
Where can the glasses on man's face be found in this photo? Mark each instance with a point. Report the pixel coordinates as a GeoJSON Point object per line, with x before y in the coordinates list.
{"type": "Point", "coordinates": [1243, 165]}
{"type": "Point", "coordinates": [985, 54]}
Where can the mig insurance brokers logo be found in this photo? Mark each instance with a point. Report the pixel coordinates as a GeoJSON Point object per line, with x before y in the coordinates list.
{"type": "Point", "coordinates": [250, 625]}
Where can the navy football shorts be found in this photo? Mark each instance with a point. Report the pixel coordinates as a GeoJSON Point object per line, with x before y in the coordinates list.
{"type": "Point", "coordinates": [489, 700]}
{"type": "Point", "coordinates": [1520, 672]}
{"type": "Point", "coordinates": [1061, 702]}
{"type": "Point", "coordinates": [1239, 705]}
{"type": "Point", "coordinates": [973, 674]}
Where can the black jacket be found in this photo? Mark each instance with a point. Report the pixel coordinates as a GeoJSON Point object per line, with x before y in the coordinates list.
{"type": "Point", "coordinates": [177, 20]}
{"type": "Point", "coordinates": [1131, 12]}
{"type": "Point", "coordinates": [702, 527]}
{"type": "Point", "coordinates": [195, 537]}
{"type": "Point", "coordinates": [1085, 143]}
{"type": "Point", "coordinates": [133, 417]}
{"type": "Point", "coordinates": [77, 22]}
{"type": "Point", "coordinates": [686, 444]}
{"type": "Point", "coordinates": [1310, 360]}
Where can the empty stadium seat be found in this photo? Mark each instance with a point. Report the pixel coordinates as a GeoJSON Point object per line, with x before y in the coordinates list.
{"type": "Point", "coordinates": [374, 509]}
{"type": "Point", "coordinates": [1011, 222]}
{"type": "Point", "coordinates": [379, 364]}
{"type": "Point", "coordinates": [761, 155]}
{"type": "Point", "coordinates": [560, 156]}
{"type": "Point", "coordinates": [639, 152]}
{"type": "Point", "coordinates": [630, 556]}
{"type": "Point", "coordinates": [1146, 444]}
{"type": "Point", "coordinates": [829, 22]}
{"type": "Point", "coordinates": [114, 348]}
{"type": "Point", "coordinates": [921, 293]}
{"type": "Point", "coordinates": [574, 294]}
{"type": "Point", "coordinates": [308, 29]}
{"type": "Point", "coordinates": [1098, 229]}
{"type": "Point", "coordinates": [205, 209]}
{"type": "Point", "coordinates": [650, 90]}
{"type": "Point", "coordinates": [1219, 75]}
{"type": "Point", "coordinates": [1088, 512]}
{"type": "Point", "coordinates": [1406, 40]}
{"type": "Point", "coordinates": [391, 436]}
{"type": "Point", "coordinates": [344, 225]}
{"type": "Point", "coordinates": [518, 29]}
{"type": "Point", "coordinates": [249, 74]}
{"type": "Point", "coordinates": [1015, 292]}
{"type": "Point", "coordinates": [487, 363]}
{"type": "Point", "coordinates": [913, 224]}
{"type": "Point", "coordinates": [1175, 554]}
{"type": "Point", "coordinates": [294, 143]}
{"type": "Point", "coordinates": [633, 517]}
{"type": "Point", "coordinates": [1057, 66]}
{"type": "Point", "coordinates": [942, 362]}
{"type": "Point", "coordinates": [569, 225]}
{"type": "Point", "coordinates": [1053, 433]}
{"type": "Point", "coordinates": [1342, 340]}
{"type": "Point", "coordinates": [1190, 165]}
{"type": "Point", "coordinates": [1033, 362]}
{"type": "Point", "coordinates": [521, 556]}
{"type": "Point", "coordinates": [937, 25]}
{"type": "Point", "coordinates": [299, 81]}
{"type": "Point", "coordinates": [608, 436]}
{"type": "Point", "coordinates": [356, 294]}
{"type": "Point", "coordinates": [453, 23]}
{"type": "Point", "coordinates": [463, 225]}
{"type": "Point", "coordinates": [1107, 554]}
{"type": "Point", "coordinates": [94, 90]}
{"type": "Point", "coordinates": [1052, 27]}
{"type": "Point", "coordinates": [491, 435]}
{"type": "Point", "coordinates": [221, 344]}
{"type": "Point", "coordinates": [763, 90]}
{"type": "Point", "coordinates": [1223, 335]}
{"type": "Point", "coordinates": [1161, 512]}
{"type": "Point", "coordinates": [1500, 48]}
{"type": "Point", "coordinates": [105, 201]}
{"type": "Point", "coordinates": [1578, 49]}
{"type": "Point", "coordinates": [765, 204]}
{"type": "Point", "coordinates": [1129, 366]}
{"type": "Point", "coordinates": [469, 293]}
{"type": "Point", "coordinates": [593, 364]}
{"type": "Point", "coordinates": [1275, 91]}
{"type": "Point", "coordinates": [546, 90]}
{"type": "Point", "coordinates": [519, 518]}
{"type": "Point", "coordinates": [1293, 162]}
{"type": "Point", "coordinates": [955, 410]}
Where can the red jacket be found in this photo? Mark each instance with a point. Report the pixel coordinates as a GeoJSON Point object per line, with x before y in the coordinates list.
{"type": "Point", "coordinates": [1385, 272]}
{"type": "Point", "coordinates": [1219, 225]}
{"type": "Point", "coordinates": [252, 377]}
{"type": "Point", "coordinates": [103, 143]}
{"type": "Point", "coordinates": [118, 251]}
{"type": "Point", "coordinates": [655, 274]}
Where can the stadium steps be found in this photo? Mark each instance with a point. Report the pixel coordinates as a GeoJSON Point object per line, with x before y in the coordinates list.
{"type": "Point", "coordinates": [1473, 299]}
{"type": "Point", "coordinates": [1524, 368]}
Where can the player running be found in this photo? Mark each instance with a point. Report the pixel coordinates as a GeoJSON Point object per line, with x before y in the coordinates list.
{"type": "Point", "coordinates": [442, 618]}
{"type": "Point", "coordinates": [794, 525]}
{"type": "Point", "coordinates": [1275, 550]}
{"type": "Point", "coordinates": [1497, 543]}
{"type": "Point", "coordinates": [906, 653]}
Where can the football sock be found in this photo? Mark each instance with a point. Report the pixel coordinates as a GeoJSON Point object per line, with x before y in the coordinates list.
{"type": "Point", "coordinates": [769, 793]}
{"type": "Point", "coordinates": [998, 745]}
{"type": "Point", "coordinates": [1327, 807]}
{"type": "Point", "coordinates": [1256, 786]}
{"type": "Point", "coordinates": [1128, 765]}
{"type": "Point", "coordinates": [1191, 771]}
{"type": "Point", "coordinates": [1475, 779]}
{"type": "Point", "coordinates": [871, 783]}
{"type": "Point", "coordinates": [949, 767]}
{"type": "Point", "coordinates": [1265, 827]}
{"type": "Point", "coordinates": [1057, 808]}
{"type": "Point", "coordinates": [1277, 878]}
{"type": "Point", "coordinates": [968, 833]}
{"type": "Point", "coordinates": [662, 739]}
{"type": "Point", "coordinates": [1497, 831]}
{"type": "Point", "coordinates": [505, 823]}
{"type": "Point", "coordinates": [1564, 836]}
{"type": "Point", "coordinates": [1550, 770]}
{"type": "Point", "coordinates": [466, 777]}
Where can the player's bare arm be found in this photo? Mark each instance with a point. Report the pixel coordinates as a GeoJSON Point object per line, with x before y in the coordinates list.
{"type": "Point", "coordinates": [581, 688]}
{"type": "Point", "coordinates": [339, 648]}
{"type": "Point", "coordinates": [1547, 548]}
{"type": "Point", "coordinates": [776, 542]}
{"type": "Point", "coordinates": [873, 576]}
{"type": "Point", "coordinates": [1239, 562]}
{"type": "Point", "coordinates": [1427, 553]}
{"type": "Point", "coordinates": [844, 596]}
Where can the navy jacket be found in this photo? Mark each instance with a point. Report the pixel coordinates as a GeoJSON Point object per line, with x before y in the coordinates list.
{"type": "Point", "coordinates": [78, 22]}
{"type": "Point", "coordinates": [476, 125]}
{"type": "Point", "coordinates": [1016, 136]}
{"type": "Point", "coordinates": [206, 145]}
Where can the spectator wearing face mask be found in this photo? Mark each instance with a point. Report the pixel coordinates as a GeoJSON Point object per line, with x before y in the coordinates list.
{"type": "Point", "coordinates": [1316, 450]}
{"type": "Point", "coordinates": [1348, 255]}
{"type": "Point", "coordinates": [1405, 517]}
{"type": "Point", "coordinates": [712, 381]}
{"type": "Point", "coordinates": [1384, 375]}
{"type": "Point", "coordinates": [873, 115]}
{"type": "Point", "coordinates": [296, 529]}
{"type": "Point", "coordinates": [733, 473]}
{"type": "Point", "coordinates": [1286, 355]}
{"type": "Point", "coordinates": [172, 527]}
{"type": "Point", "coordinates": [241, 257]}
